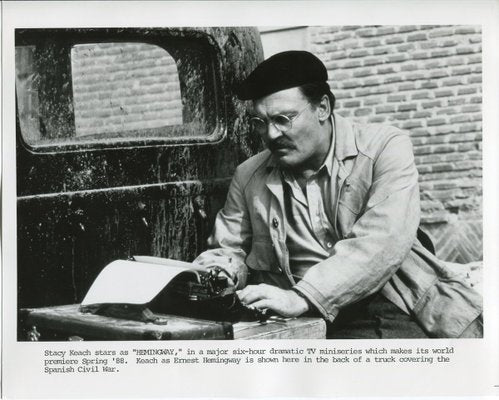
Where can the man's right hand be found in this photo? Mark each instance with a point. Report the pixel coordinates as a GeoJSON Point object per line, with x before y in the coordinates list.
{"type": "Point", "coordinates": [283, 302]}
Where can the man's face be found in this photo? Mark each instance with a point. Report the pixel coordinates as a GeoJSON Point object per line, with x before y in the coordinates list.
{"type": "Point", "coordinates": [306, 144]}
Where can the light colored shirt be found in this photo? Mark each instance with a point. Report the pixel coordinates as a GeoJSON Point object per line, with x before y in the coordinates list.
{"type": "Point", "coordinates": [310, 236]}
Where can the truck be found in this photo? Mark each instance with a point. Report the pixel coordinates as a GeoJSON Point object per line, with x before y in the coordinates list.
{"type": "Point", "coordinates": [127, 139]}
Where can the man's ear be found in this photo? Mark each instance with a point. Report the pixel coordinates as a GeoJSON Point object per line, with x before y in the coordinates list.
{"type": "Point", "coordinates": [324, 108]}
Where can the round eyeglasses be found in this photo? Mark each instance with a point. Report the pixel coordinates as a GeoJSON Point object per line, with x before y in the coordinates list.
{"type": "Point", "coordinates": [281, 122]}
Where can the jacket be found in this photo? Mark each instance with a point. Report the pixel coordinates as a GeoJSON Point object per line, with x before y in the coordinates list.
{"type": "Point", "coordinates": [376, 216]}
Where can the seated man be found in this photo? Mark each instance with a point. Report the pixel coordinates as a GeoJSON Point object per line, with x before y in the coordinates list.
{"type": "Point", "coordinates": [325, 220]}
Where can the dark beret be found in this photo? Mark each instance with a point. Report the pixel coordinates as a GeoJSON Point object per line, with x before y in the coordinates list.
{"type": "Point", "coordinates": [282, 71]}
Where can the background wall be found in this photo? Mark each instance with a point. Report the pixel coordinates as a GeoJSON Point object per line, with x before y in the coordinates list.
{"type": "Point", "coordinates": [426, 80]}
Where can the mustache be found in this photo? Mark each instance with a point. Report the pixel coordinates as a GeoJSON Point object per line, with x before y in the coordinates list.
{"type": "Point", "coordinates": [280, 143]}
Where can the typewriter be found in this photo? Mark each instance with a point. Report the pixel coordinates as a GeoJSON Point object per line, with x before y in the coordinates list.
{"type": "Point", "coordinates": [189, 291]}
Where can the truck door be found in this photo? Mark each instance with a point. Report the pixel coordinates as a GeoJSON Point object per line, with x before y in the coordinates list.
{"type": "Point", "coordinates": [126, 143]}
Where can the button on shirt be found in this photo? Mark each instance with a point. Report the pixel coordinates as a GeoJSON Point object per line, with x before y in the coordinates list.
{"type": "Point", "coordinates": [309, 224]}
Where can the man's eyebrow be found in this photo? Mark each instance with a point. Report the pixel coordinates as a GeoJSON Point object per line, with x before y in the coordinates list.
{"type": "Point", "coordinates": [288, 112]}
{"type": "Point", "coordinates": [253, 115]}
{"type": "Point", "coordinates": [284, 112]}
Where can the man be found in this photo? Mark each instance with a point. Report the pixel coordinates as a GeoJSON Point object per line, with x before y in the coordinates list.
{"type": "Point", "coordinates": [325, 220]}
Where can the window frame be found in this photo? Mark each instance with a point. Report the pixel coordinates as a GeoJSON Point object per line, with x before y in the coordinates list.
{"type": "Point", "coordinates": [153, 36]}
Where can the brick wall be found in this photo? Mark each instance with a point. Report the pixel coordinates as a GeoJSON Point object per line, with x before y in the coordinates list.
{"type": "Point", "coordinates": [427, 80]}
{"type": "Point", "coordinates": [124, 86]}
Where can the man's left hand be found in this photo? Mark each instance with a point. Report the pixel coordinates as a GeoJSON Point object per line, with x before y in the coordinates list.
{"type": "Point", "coordinates": [284, 302]}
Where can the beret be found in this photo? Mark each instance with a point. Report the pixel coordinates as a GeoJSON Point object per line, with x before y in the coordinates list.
{"type": "Point", "coordinates": [282, 71]}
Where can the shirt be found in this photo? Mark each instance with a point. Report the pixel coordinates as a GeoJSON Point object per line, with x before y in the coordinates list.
{"type": "Point", "coordinates": [309, 223]}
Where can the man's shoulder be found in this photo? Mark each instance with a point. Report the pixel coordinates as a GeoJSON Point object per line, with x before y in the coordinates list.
{"type": "Point", "coordinates": [372, 138]}
{"type": "Point", "coordinates": [252, 166]}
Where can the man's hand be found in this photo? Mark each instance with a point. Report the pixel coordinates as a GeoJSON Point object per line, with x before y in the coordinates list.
{"type": "Point", "coordinates": [284, 302]}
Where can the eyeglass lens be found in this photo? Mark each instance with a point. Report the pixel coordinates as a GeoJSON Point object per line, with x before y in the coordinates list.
{"type": "Point", "coordinates": [281, 122]}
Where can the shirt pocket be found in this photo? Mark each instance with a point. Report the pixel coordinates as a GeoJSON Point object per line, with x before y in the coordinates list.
{"type": "Point", "coordinates": [262, 256]}
{"type": "Point", "coordinates": [352, 202]}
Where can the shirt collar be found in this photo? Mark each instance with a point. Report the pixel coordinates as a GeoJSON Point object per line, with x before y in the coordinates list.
{"type": "Point", "coordinates": [345, 144]}
{"type": "Point", "coordinates": [328, 161]}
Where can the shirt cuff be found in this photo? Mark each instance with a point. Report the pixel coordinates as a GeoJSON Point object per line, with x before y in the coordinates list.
{"type": "Point", "coordinates": [316, 299]}
{"type": "Point", "coordinates": [312, 309]}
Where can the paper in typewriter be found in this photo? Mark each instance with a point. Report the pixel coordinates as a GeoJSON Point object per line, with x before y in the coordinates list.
{"type": "Point", "coordinates": [134, 282]}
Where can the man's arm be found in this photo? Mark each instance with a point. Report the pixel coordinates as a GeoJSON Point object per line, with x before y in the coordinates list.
{"type": "Point", "coordinates": [380, 239]}
{"type": "Point", "coordinates": [229, 244]}
{"type": "Point", "coordinates": [230, 240]}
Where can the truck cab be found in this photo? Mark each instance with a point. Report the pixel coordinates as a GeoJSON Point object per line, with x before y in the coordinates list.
{"type": "Point", "coordinates": [126, 143]}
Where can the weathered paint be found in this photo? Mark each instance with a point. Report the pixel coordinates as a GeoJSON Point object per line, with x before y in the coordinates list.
{"type": "Point", "coordinates": [83, 205]}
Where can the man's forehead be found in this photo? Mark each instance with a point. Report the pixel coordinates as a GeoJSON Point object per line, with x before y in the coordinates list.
{"type": "Point", "coordinates": [284, 100]}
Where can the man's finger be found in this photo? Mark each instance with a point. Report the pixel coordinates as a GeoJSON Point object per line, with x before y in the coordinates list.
{"type": "Point", "coordinates": [251, 288]}
{"type": "Point", "coordinates": [244, 292]}
{"type": "Point", "coordinates": [250, 297]}
{"type": "Point", "coordinates": [252, 293]}
{"type": "Point", "coordinates": [264, 304]}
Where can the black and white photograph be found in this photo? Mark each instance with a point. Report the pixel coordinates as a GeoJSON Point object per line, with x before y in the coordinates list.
{"type": "Point", "coordinates": [241, 182]}
{"type": "Point", "coordinates": [233, 199]}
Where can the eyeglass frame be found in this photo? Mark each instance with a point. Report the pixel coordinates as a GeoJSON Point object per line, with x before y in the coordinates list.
{"type": "Point", "coordinates": [290, 120]}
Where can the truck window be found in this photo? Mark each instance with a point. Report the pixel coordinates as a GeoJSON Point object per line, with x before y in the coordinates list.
{"type": "Point", "coordinates": [108, 92]}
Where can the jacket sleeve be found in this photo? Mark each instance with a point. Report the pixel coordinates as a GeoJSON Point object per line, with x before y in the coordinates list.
{"type": "Point", "coordinates": [230, 240]}
{"type": "Point", "coordinates": [380, 239]}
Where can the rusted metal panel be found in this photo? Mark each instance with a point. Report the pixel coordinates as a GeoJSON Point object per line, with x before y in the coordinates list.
{"type": "Point", "coordinates": [83, 205]}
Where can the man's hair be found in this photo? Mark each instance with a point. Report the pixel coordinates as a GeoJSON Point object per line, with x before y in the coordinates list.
{"type": "Point", "coordinates": [315, 91]}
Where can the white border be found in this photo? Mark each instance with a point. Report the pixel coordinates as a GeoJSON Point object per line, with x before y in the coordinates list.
{"type": "Point", "coordinates": [475, 369]}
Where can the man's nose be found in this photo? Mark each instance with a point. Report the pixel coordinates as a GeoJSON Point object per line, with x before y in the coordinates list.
{"type": "Point", "coordinates": [272, 132]}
